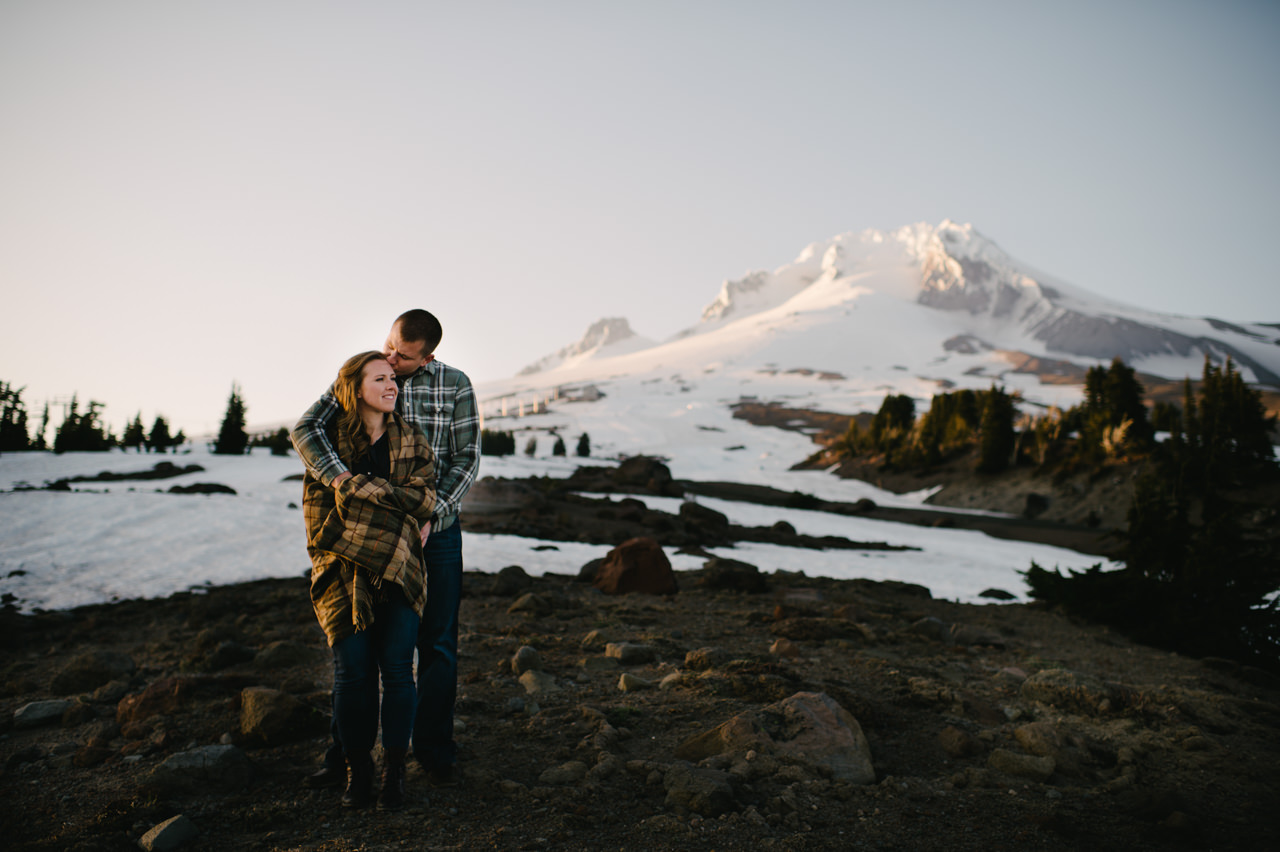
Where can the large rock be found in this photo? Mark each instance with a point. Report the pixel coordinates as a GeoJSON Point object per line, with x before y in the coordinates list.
{"type": "Point", "coordinates": [173, 833]}
{"type": "Point", "coordinates": [708, 792]}
{"type": "Point", "coordinates": [91, 670]}
{"type": "Point", "coordinates": [37, 713]}
{"type": "Point", "coordinates": [809, 728]}
{"type": "Point", "coordinates": [636, 565]}
{"type": "Point", "coordinates": [270, 717]}
{"type": "Point", "coordinates": [732, 575]}
{"type": "Point", "coordinates": [219, 767]}
{"type": "Point", "coordinates": [645, 473]}
{"type": "Point", "coordinates": [703, 516]}
{"type": "Point", "coordinates": [166, 696]}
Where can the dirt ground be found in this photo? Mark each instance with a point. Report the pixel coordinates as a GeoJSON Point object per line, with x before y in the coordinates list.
{"type": "Point", "coordinates": [1149, 750]}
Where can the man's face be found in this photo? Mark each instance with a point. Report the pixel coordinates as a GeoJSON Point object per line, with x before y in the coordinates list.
{"type": "Point", "coordinates": [405, 357]}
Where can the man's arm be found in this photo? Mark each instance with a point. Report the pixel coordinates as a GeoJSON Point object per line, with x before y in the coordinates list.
{"type": "Point", "coordinates": [464, 450]}
{"type": "Point", "coordinates": [312, 441]}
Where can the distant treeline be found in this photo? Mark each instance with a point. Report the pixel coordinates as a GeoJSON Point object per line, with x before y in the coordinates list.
{"type": "Point", "coordinates": [495, 442]}
{"type": "Point", "coordinates": [1113, 423]}
{"type": "Point", "coordinates": [1202, 548]}
{"type": "Point", "coordinates": [83, 431]}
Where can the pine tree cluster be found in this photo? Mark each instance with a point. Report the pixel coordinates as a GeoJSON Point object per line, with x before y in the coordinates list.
{"type": "Point", "coordinates": [1200, 576]}
{"type": "Point", "coordinates": [497, 443]}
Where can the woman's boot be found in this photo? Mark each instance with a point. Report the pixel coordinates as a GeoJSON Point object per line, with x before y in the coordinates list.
{"type": "Point", "coordinates": [393, 793]}
{"type": "Point", "coordinates": [359, 792]}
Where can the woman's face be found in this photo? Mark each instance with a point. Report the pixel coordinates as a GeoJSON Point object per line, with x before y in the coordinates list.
{"type": "Point", "coordinates": [378, 386]}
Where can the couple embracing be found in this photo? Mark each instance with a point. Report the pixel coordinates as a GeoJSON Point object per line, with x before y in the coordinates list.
{"type": "Point", "coordinates": [390, 451]}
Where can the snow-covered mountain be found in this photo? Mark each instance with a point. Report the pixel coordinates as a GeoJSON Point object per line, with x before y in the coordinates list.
{"type": "Point", "coordinates": [605, 337]}
{"type": "Point", "coordinates": [922, 300]}
{"type": "Point", "coordinates": [914, 311]}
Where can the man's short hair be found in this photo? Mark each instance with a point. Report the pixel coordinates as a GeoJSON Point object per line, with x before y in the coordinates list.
{"type": "Point", "coordinates": [419, 325]}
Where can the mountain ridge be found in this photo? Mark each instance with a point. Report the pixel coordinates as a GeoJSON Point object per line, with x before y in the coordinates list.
{"type": "Point", "coordinates": [958, 282]}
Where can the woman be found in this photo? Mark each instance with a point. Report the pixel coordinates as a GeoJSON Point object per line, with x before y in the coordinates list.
{"type": "Point", "coordinates": [367, 579]}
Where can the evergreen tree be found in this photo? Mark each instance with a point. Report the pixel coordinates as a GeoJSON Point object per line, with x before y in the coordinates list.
{"type": "Point", "coordinates": [497, 443]}
{"type": "Point", "coordinates": [279, 442]}
{"type": "Point", "coordinates": [558, 449]}
{"type": "Point", "coordinates": [1113, 415]}
{"type": "Point", "coordinates": [531, 446]}
{"type": "Point", "coordinates": [1195, 578]}
{"type": "Point", "coordinates": [83, 432]}
{"type": "Point", "coordinates": [893, 422]}
{"type": "Point", "coordinates": [159, 440]}
{"type": "Point", "coordinates": [40, 442]}
{"type": "Point", "coordinates": [995, 432]}
{"type": "Point", "coordinates": [13, 419]}
{"type": "Point", "coordinates": [134, 434]}
{"type": "Point", "coordinates": [584, 446]}
{"type": "Point", "coordinates": [232, 439]}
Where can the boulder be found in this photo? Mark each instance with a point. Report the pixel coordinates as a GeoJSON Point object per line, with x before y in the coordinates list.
{"type": "Point", "coordinates": [511, 581]}
{"type": "Point", "coordinates": [703, 516]}
{"type": "Point", "coordinates": [645, 473]}
{"type": "Point", "coordinates": [219, 767]}
{"type": "Point", "coordinates": [631, 683]}
{"type": "Point", "coordinates": [532, 604]}
{"type": "Point", "coordinates": [808, 728]}
{"type": "Point", "coordinates": [732, 575]}
{"type": "Point", "coordinates": [631, 654]}
{"type": "Point", "coordinates": [270, 717]}
{"type": "Point", "coordinates": [708, 792]}
{"type": "Point", "coordinates": [37, 713]}
{"type": "Point", "coordinates": [636, 565]}
{"type": "Point", "coordinates": [173, 833]}
{"type": "Point", "coordinates": [538, 683]}
{"type": "Point", "coordinates": [166, 696]}
{"type": "Point", "coordinates": [526, 659]}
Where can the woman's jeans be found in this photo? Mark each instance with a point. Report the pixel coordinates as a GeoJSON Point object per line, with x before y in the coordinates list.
{"type": "Point", "coordinates": [386, 647]}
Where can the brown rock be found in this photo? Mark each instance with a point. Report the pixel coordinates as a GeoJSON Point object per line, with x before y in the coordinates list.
{"type": "Point", "coordinates": [636, 565]}
{"type": "Point", "coordinates": [271, 717]}
{"type": "Point", "coordinates": [809, 728]}
{"type": "Point", "coordinates": [958, 743]}
{"type": "Point", "coordinates": [166, 695]}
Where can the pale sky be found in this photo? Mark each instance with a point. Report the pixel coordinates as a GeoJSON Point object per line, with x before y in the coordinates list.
{"type": "Point", "coordinates": [198, 193]}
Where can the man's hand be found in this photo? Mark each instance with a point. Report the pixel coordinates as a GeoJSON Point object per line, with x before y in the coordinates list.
{"type": "Point", "coordinates": [426, 531]}
{"type": "Point", "coordinates": [341, 478]}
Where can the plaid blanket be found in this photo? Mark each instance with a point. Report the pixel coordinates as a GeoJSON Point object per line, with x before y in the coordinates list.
{"type": "Point", "coordinates": [366, 533]}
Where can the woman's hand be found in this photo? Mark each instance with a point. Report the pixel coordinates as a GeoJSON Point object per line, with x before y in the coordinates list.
{"type": "Point", "coordinates": [426, 531]}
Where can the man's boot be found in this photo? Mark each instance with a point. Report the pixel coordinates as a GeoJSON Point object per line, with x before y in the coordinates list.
{"type": "Point", "coordinates": [393, 793]}
{"type": "Point", "coordinates": [359, 792]}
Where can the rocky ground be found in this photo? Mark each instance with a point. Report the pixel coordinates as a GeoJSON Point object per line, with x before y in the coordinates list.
{"type": "Point", "coordinates": [743, 711]}
{"type": "Point", "coordinates": [861, 715]}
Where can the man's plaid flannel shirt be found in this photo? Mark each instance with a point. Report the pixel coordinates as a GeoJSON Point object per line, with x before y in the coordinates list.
{"type": "Point", "coordinates": [437, 399]}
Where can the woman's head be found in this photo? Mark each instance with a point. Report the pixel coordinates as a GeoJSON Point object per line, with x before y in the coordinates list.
{"type": "Point", "coordinates": [366, 380]}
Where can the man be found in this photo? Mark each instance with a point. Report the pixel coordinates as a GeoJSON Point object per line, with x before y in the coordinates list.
{"type": "Point", "coordinates": [439, 400]}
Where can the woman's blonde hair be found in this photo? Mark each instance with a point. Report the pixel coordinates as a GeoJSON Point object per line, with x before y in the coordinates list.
{"type": "Point", "coordinates": [346, 389]}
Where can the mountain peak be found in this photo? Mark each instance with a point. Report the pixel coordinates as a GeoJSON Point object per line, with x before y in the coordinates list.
{"type": "Point", "coordinates": [607, 336]}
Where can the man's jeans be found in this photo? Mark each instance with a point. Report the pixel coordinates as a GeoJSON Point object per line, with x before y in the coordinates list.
{"type": "Point", "coordinates": [433, 743]}
{"type": "Point", "coordinates": [386, 647]}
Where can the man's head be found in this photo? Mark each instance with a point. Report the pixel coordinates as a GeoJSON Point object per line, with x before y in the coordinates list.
{"type": "Point", "coordinates": [412, 342]}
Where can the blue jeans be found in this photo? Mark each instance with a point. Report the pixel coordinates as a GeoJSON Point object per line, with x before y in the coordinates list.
{"type": "Point", "coordinates": [386, 647]}
{"type": "Point", "coordinates": [433, 743]}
